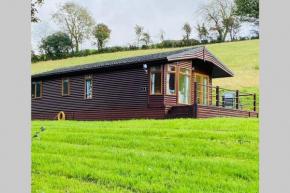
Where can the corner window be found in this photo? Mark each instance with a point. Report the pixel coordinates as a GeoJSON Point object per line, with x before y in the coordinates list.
{"type": "Point", "coordinates": [36, 89]}
{"type": "Point", "coordinates": [155, 80]}
{"type": "Point", "coordinates": [184, 86]}
{"type": "Point", "coordinates": [88, 86]}
{"type": "Point", "coordinates": [170, 80]}
{"type": "Point", "coordinates": [65, 87]}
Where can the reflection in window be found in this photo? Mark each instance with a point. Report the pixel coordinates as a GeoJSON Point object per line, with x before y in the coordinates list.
{"type": "Point", "coordinates": [65, 86]}
{"type": "Point", "coordinates": [155, 79]}
{"type": "Point", "coordinates": [184, 86]}
{"type": "Point", "coordinates": [88, 86]}
{"type": "Point", "coordinates": [170, 82]}
{"type": "Point", "coordinates": [36, 89]}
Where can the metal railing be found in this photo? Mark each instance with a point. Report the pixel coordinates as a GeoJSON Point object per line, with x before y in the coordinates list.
{"type": "Point", "coordinates": [222, 97]}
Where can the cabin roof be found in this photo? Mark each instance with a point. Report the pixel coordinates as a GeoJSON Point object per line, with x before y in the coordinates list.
{"type": "Point", "coordinates": [163, 56]}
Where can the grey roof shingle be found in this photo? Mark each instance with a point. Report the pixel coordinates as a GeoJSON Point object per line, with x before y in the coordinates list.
{"type": "Point", "coordinates": [125, 61]}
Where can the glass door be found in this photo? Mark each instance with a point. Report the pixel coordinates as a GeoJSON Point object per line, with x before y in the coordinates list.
{"type": "Point", "coordinates": [184, 86]}
{"type": "Point", "coordinates": [202, 89]}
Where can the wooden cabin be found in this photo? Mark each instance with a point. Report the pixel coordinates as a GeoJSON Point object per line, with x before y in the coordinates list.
{"type": "Point", "coordinates": [175, 84]}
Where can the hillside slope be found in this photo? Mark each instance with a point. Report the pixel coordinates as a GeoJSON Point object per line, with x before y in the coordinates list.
{"type": "Point", "coordinates": [241, 57]}
{"type": "Point", "coordinates": [181, 155]}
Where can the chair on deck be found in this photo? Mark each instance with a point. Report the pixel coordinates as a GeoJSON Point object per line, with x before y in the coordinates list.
{"type": "Point", "coordinates": [229, 100]}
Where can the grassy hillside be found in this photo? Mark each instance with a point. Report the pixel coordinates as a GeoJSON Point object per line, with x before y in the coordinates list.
{"type": "Point", "coordinates": [242, 57]}
{"type": "Point", "coordinates": [184, 155]}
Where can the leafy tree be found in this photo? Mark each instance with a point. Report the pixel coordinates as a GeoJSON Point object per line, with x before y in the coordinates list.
{"type": "Point", "coordinates": [138, 32]}
{"type": "Point", "coordinates": [102, 33]}
{"type": "Point", "coordinates": [220, 15]}
{"type": "Point", "coordinates": [146, 38]}
{"type": "Point", "coordinates": [187, 30]}
{"type": "Point", "coordinates": [248, 10]}
{"type": "Point", "coordinates": [75, 20]}
{"type": "Point", "coordinates": [34, 4]}
{"type": "Point", "coordinates": [202, 32]}
{"type": "Point", "coordinates": [56, 45]}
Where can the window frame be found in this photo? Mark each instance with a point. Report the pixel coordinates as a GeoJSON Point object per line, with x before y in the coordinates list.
{"type": "Point", "coordinates": [35, 89]}
{"type": "Point", "coordinates": [156, 71]}
{"type": "Point", "coordinates": [185, 74]}
{"type": "Point", "coordinates": [68, 87]}
{"type": "Point", "coordinates": [85, 80]}
{"type": "Point", "coordinates": [175, 81]}
{"type": "Point", "coordinates": [201, 88]}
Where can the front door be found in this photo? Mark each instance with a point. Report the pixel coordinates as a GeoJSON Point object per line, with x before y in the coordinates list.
{"type": "Point", "coordinates": [202, 88]}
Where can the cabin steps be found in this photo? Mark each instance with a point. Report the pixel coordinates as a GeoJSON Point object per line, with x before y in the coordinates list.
{"type": "Point", "coordinates": [180, 112]}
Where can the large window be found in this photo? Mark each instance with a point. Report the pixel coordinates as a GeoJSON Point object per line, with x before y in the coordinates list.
{"type": "Point", "coordinates": [202, 88]}
{"type": "Point", "coordinates": [88, 86]}
{"type": "Point", "coordinates": [65, 87]}
{"type": "Point", "coordinates": [184, 86]}
{"type": "Point", "coordinates": [155, 80]}
{"type": "Point", "coordinates": [170, 82]}
{"type": "Point", "coordinates": [36, 89]}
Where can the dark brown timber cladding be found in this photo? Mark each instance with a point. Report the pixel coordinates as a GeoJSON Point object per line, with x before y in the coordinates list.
{"type": "Point", "coordinates": [213, 111]}
{"type": "Point", "coordinates": [116, 95]}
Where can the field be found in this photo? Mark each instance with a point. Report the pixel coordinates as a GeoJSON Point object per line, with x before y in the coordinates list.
{"type": "Point", "coordinates": [182, 155]}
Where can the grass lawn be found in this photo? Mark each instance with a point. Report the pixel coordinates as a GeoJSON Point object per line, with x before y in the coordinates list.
{"type": "Point", "coordinates": [181, 155]}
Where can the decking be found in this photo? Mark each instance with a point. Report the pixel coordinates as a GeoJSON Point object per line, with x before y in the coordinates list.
{"type": "Point", "coordinates": [216, 104]}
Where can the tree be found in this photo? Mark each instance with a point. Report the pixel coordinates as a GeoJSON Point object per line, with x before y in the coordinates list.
{"type": "Point", "coordinates": [56, 45]}
{"type": "Point", "coordinates": [248, 10]}
{"type": "Point", "coordinates": [102, 33]}
{"type": "Point", "coordinates": [146, 39]}
{"type": "Point", "coordinates": [220, 16]}
{"type": "Point", "coordinates": [75, 20]}
{"type": "Point", "coordinates": [161, 35]}
{"type": "Point", "coordinates": [187, 30]}
{"type": "Point", "coordinates": [202, 32]}
{"type": "Point", "coordinates": [40, 31]}
{"type": "Point", "coordinates": [234, 29]}
{"type": "Point", "coordinates": [34, 4]}
{"type": "Point", "coordinates": [138, 32]}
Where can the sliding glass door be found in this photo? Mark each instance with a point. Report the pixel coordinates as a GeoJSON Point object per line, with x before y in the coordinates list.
{"type": "Point", "coordinates": [184, 86]}
{"type": "Point", "coordinates": [202, 88]}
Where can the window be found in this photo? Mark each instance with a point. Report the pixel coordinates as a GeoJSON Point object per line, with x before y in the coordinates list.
{"type": "Point", "coordinates": [65, 87]}
{"type": "Point", "coordinates": [155, 80]}
{"type": "Point", "coordinates": [202, 89]}
{"type": "Point", "coordinates": [88, 86]}
{"type": "Point", "coordinates": [36, 89]}
{"type": "Point", "coordinates": [184, 86]}
{"type": "Point", "coordinates": [170, 82]}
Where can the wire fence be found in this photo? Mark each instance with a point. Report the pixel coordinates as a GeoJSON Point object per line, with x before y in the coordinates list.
{"type": "Point", "coordinates": [227, 98]}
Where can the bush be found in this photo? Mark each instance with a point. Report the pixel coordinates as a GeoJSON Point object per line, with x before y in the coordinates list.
{"type": "Point", "coordinates": [243, 38]}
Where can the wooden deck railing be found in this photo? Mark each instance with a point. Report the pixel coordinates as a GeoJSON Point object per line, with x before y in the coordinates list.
{"type": "Point", "coordinates": [222, 97]}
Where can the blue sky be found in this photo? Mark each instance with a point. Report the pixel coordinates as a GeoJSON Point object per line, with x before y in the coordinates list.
{"type": "Point", "coordinates": [122, 15]}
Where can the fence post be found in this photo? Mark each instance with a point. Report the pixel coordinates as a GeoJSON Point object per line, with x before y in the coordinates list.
{"type": "Point", "coordinates": [217, 96]}
{"type": "Point", "coordinates": [237, 99]}
{"type": "Point", "coordinates": [195, 93]}
{"type": "Point", "coordinates": [255, 102]}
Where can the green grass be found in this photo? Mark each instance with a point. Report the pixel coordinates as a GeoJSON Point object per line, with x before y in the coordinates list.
{"type": "Point", "coordinates": [182, 155]}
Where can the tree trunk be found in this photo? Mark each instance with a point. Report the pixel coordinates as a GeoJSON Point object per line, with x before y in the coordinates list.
{"type": "Point", "coordinates": [77, 46]}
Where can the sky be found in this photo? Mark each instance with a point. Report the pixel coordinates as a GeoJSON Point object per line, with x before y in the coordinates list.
{"type": "Point", "coordinates": [122, 15]}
